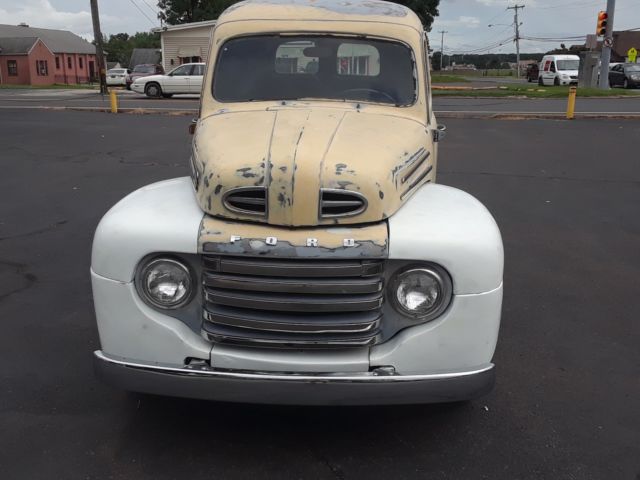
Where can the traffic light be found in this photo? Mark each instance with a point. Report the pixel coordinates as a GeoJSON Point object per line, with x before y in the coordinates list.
{"type": "Point", "coordinates": [601, 28]}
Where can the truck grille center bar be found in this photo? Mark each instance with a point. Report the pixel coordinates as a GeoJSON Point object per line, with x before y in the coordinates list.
{"type": "Point", "coordinates": [292, 303]}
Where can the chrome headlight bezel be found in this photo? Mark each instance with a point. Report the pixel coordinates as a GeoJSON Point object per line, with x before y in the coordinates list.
{"type": "Point", "coordinates": [141, 277]}
{"type": "Point", "coordinates": [437, 273]}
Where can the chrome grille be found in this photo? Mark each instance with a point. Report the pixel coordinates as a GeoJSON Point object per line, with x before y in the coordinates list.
{"type": "Point", "coordinates": [247, 200]}
{"type": "Point", "coordinates": [341, 203]}
{"type": "Point", "coordinates": [292, 303]}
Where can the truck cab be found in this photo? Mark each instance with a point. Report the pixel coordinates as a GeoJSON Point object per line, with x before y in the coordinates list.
{"type": "Point", "coordinates": [310, 257]}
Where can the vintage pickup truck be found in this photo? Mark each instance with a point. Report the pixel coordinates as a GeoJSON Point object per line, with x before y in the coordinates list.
{"type": "Point", "coordinates": [310, 258]}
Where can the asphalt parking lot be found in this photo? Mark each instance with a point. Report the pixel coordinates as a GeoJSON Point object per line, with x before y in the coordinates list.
{"type": "Point", "coordinates": [566, 404]}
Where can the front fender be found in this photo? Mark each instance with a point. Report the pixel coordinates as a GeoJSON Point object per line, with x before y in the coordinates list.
{"type": "Point", "coordinates": [450, 227]}
{"type": "Point", "coordinates": [161, 217]}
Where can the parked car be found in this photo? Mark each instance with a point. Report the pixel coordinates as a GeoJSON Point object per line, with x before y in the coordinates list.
{"type": "Point", "coordinates": [143, 70]}
{"type": "Point", "coordinates": [533, 72]}
{"type": "Point", "coordinates": [117, 76]}
{"type": "Point", "coordinates": [559, 70]}
{"type": "Point", "coordinates": [310, 258]}
{"type": "Point", "coordinates": [186, 78]}
{"type": "Point", "coordinates": [625, 75]}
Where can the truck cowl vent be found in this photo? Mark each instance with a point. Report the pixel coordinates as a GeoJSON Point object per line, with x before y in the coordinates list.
{"type": "Point", "coordinates": [249, 201]}
{"type": "Point", "coordinates": [341, 203]}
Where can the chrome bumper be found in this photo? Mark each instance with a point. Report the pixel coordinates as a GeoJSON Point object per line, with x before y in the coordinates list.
{"type": "Point", "coordinates": [294, 389]}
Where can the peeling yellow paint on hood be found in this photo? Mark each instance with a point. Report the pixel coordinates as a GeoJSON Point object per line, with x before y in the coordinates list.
{"type": "Point", "coordinates": [294, 151]}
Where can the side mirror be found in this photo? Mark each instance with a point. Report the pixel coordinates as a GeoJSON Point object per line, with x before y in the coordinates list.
{"type": "Point", "coordinates": [193, 125]}
{"type": "Point", "coordinates": [439, 133]}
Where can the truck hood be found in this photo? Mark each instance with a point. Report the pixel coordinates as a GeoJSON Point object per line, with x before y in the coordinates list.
{"type": "Point", "coordinates": [309, 166]}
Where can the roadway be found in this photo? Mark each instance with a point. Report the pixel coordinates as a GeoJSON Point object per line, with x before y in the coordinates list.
{"type": "Point", "coordinates": [565, 406]}
{"type": "Point", "coordinates": [83, 99]}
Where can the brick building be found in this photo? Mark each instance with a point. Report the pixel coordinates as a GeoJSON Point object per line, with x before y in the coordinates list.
{"type": "Point", "coordinates": [40, 56]}
{"type": "Point", "coordinates": [622, 42]}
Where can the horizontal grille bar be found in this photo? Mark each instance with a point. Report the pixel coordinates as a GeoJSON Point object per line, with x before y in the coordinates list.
{"type": "Point", "coordinates": [292, 268]}
{"type": "Point", "coordinates": [293, 303]}
{"type": "Point", "coordinates": [323, 286]}
{"type": "Point", "coordinates": [249, 200]}
{"type": "Point", "coordinates": [232, 317]}
{"type": "Point", "coordinates": [223, 334]}
{"type": "Point", "coordinates": [341, 203]}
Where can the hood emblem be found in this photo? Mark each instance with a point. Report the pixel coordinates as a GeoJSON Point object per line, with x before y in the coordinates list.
{"type": "Point", "coordinates": [311, 242]}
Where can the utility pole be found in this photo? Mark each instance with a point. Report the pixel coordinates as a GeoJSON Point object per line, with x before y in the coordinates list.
{"type": "Point", "coordinates": [605, 58]}
{"type": "Point", "coordinates": [97, 36]}
{"type": "Point", "coordinates": [516, 23]}
{"type": "Point", "coordinates": [442, 47]}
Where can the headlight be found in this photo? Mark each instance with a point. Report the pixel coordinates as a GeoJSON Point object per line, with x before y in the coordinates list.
{"type": "Point", "coordinates": [422, 292]}
{"type": "Point", "coordinates": [165, 283]}
{"type": "Point", "coordinates": [635, 77]}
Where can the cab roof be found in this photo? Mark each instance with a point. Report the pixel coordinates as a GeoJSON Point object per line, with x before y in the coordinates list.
{"type": "Point", "coordinates": [322, 10]}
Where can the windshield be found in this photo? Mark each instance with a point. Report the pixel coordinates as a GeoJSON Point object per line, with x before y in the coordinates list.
{"type": "Point", "coordinates": [145, 69]}
{"type": "Point", "coordinates": [271, 67]}
{"type": "Point", "coordinates": [568, 64]}
{"type": "Point", "coordinates": [633, 68]}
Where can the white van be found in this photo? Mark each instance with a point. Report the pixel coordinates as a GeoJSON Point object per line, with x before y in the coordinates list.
{"type": "Point", "coordinates": [559, 70]}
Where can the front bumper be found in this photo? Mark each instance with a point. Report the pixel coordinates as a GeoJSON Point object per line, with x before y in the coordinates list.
{"type": "Point", "coordinates": [366, 388]}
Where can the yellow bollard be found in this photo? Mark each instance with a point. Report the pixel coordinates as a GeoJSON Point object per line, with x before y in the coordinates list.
{"type": "Point", "coordinates": [571, 103]}
{"type": "Point", "coordinates": [113, 100]}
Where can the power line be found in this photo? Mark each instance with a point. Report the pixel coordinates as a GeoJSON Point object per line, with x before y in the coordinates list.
{"type": "Point", "coordinates": [485, 48]}
{"type": "Point", "coordinates": [559, 38]}
{"type": "Point", "coordinates": [496, 16]}
{"type": "Point", "coordinates": [142, 12]}
{"type": "Point", "coordinates": [155, 12]}
{"type": "Point", "coordinates": [571, 5]}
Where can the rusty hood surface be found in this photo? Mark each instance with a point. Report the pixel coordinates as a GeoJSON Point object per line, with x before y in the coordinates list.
{"type": "Point", "coordinates": [295, 152]}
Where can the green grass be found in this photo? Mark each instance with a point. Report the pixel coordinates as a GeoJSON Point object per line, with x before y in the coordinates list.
{"type": "Point", "coordinates": [59, 86]}
{"type": "Point", "coordinates": [535, 91]}
{"type": "Point", "coordinates": [437, 78]}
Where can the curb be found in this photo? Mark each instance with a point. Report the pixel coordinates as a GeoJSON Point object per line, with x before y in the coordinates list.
{"type": "Point", "coordinates": [537, 115]}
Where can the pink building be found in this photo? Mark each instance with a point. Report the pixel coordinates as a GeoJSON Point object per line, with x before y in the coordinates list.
{"type": "Point", "coordinates": [40, 56]}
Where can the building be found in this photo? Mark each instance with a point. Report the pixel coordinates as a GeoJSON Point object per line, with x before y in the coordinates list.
{"type": "Point", "coordinates": [41, 56]}
{"type": "Point", "coordinates": [144, 56]}
{"type": "Point", "coordinates": [622, 42]}
{"type": "Point", "coordinates": [185, 43]}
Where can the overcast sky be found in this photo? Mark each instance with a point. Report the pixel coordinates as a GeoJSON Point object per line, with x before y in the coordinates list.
{"type": "Point", "coordinates": [466, 21]}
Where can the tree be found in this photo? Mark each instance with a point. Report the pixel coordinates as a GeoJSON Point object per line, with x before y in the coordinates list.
{"type": "Point", "coordinates": [175, 12]}
{"type": "Point", "coordinates": [118, 47]}
{"type": "Point", "coordinates": [426, 10]}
